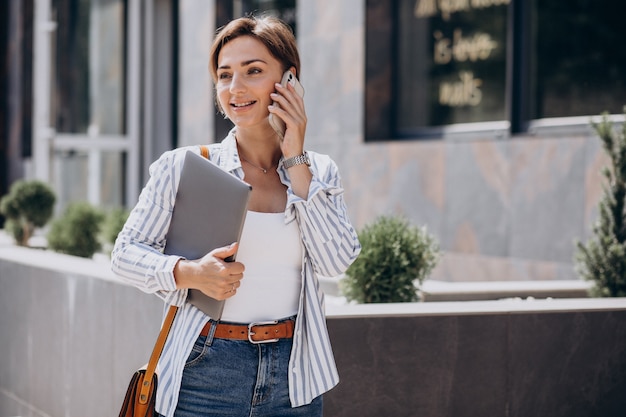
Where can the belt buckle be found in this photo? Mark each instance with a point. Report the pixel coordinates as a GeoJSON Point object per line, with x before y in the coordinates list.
{"type": "Point", "coordinates": [260, 323]}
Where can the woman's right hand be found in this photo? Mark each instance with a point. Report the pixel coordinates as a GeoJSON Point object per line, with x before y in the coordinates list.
{"type": "Point", "coordinates": [211, 274]}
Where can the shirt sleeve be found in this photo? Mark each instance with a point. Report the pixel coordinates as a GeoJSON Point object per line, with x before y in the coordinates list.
{"type": "Point", "coordinates": [330, 238]}
{"type": "Point", "coordinates": [137, 255]}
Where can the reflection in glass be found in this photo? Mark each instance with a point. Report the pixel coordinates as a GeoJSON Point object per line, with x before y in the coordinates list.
{"type": "Point", "coordinates": [89, 76]}
{"type": "Point", "coordinates": [580, 63]}
{"type": "Point", "coordinates": [451, 65]}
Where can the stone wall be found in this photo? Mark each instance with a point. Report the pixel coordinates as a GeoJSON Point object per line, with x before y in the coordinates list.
{"type": "Point", "coordinates": [71, 335]}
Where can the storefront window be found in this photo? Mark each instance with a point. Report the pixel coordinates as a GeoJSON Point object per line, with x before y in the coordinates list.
{"type": "Point", "coordinates": [431, 64]}
{"type": "Point", "coordinates": [451, 62]}
{"type": "Point", "coordinates": [580, 62]}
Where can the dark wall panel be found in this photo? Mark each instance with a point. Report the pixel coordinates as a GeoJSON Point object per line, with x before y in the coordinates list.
{"type": "Point", "coordinates": [537, 364]}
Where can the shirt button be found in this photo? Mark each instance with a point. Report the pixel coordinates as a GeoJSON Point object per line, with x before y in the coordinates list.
{"type": "Point", "coordinates": [295, 370]}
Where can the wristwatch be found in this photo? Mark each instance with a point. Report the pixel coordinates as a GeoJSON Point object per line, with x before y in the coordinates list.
{"type": "Point", "coordinates": [297, 160]}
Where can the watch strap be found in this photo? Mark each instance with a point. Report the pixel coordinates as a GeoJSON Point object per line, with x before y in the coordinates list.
{"type": "Point", "coordinates": [297, 160]}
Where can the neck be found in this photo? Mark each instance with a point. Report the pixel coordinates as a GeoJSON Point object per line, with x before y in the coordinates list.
{"type": "Point", "coordinates": [262, 153]}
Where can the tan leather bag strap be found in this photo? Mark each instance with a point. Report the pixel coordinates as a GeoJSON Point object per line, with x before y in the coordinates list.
{"type": "Point", "coordinates": [156, 353]}
{"type": "Point", "coordinates": [165, 329]}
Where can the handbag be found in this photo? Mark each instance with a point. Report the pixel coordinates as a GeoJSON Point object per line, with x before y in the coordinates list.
{"type": "Point", "coordinates": [140, 396]}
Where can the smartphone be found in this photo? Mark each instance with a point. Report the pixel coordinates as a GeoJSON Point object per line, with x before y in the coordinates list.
{"type": "Point", "coordinates": [277, 123]}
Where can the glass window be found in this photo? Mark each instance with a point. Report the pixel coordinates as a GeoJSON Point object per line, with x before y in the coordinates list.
{"type": "Point", "coordinates": [580, 60]}
{"type": "Point", "coordinates": [451, 64]}
{"type": "Point", "coordinates": [89, 76]}
{"type": "Point", "coordinates": [434, 63]}
{"type": "Point", "coordinates": [74, 180]}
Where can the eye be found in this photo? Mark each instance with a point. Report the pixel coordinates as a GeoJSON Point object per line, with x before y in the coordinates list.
{"type": "Point", "coordinates": [224, 76]}
{"type": "Point", "coordinates": [254, 70]}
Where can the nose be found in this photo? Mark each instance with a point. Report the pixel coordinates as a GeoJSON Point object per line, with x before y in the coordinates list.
{"type": "Point", "coordinates": [237, 84]}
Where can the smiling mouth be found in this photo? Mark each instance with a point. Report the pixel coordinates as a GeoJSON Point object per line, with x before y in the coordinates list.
{"type": "Point", "coordinates": [240, 105]}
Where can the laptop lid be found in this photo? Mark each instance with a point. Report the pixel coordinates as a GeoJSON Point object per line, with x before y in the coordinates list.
{"type": "Point", "coordinates": [209, 213]}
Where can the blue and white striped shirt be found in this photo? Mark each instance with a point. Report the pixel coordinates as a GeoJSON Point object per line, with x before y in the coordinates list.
{"type": "Point", "coordinates": [331, 245]}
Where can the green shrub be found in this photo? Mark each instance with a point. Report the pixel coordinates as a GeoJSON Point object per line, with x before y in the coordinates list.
{"type": "Point", "coordinates": [27, 206]}
{"type": "Point", "coordinates": [76, 232]}
{"type": "Point", "coordinates": [603, 259]}
{"type": "Point", "coordinates": [394, 256]}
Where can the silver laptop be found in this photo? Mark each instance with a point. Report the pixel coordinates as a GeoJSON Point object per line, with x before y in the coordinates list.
{"type": "Point", "coordinates": [210, 210]}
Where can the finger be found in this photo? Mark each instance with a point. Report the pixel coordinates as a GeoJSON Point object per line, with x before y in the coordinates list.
{"type": "Point", "coordinates": [222, 290]}
{"type": "Point", "coordinates": [287, 96]}
{"type": "Point", "coordinates": [225, 251]}
{"type": "Point", "coordinates": [292, 114]}
{"type": "Point", "coordinates": [231, 289]}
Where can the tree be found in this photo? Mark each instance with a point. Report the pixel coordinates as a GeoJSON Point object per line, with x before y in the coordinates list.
{"type": "Point", "coordinates": [603, 259]}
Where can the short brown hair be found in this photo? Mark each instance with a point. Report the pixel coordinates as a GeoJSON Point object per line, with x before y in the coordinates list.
{"type": "Point", "coordinates": [276, 35]}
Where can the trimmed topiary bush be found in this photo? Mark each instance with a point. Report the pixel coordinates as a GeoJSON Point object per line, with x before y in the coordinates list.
{"type": "Point", "coordinates": [77, 231]}
{"type": "Point", "coordinates": [395, 256]}
{"type": "Point", "coordinates": [27, 206]}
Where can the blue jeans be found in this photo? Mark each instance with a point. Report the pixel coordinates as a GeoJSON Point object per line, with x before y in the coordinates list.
{"type": "Point", "coordinates": [236, 378]}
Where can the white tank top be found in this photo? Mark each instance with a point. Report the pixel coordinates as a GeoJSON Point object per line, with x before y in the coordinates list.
{"type": "Point", "coordinates": [271, 252]}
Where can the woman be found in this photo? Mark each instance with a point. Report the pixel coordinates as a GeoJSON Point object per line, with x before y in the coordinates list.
{"type": "Point", "coordinates": [296, 227]}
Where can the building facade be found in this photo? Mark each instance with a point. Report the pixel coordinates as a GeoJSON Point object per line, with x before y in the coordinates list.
{"type": "Point", "coordinates": [470, 117]}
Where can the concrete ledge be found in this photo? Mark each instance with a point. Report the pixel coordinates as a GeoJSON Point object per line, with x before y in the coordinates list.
{"type": "Point", "coordinates": [433, 290]}
{"type": "Point", "coordinates": [493, 290]}
{"type": "Point", "coordinates": [475, 307]}
{"type": "Point", "coordinates": [98, 267]}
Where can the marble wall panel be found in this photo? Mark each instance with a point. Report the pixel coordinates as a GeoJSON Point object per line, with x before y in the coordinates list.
{"type": "Point", "coordinates": [596, 161]}
{"type": "Point", "coordinates": [399, 178]}
{"type": "Point", "coordinates": [435, 366]}
{"type": "Point", "coordinates": [547, 197]}
{"type": "Point", "coordinates": [460, 267]}
{"type": "Point", "coordinates": [516, 364]}
{"type": "Point", "coordinates": [477, 212]}
{"type": "Point", "coordinates": [417, 186]}
{"type": "Point", "coordinates": [567, 364]}
{"type": "Point", "coordinates": [371, 185]}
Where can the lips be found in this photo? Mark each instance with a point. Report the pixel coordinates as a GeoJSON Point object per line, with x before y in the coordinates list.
{"type": "Point", "coordinates": [242, 105]}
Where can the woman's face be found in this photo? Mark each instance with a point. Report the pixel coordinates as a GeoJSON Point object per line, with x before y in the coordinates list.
{"type": "Point", "coordinates": [246, 74]}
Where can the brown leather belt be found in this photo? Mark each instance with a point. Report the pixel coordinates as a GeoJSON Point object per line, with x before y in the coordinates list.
{"type": "Point", "coordinates": [262, 332]}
